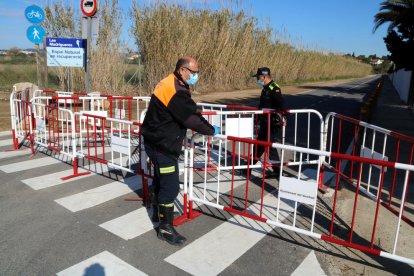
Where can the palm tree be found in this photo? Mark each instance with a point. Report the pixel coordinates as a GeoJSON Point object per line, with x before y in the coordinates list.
{"type": "Point", "coordinates": [399, 13]}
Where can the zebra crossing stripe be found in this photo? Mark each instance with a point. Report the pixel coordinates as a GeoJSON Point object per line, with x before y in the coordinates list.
{"type": "Point", "coordinates": [130, 225]}
{"type": "Point", "coordinates": [5, 133]}
{"type": "Point", "coordinates": [309, 266]}
{"type": "Point", "coordinates": [7, 142]}
{"type": "Point", "coordinates": [101, 194]}
{"type": "Point", "coordinates": [104, 263]}
{"type": "Point", "coordinates": [31, 164]}
{"type": "Point", "coordinates": [54, 179]}
{"type": "Point", "coordinates": [229, 241]}
{"type": "Point", "coordinates": [56, 158]}
{"type": "Point", "coordinates": [138, 222]}
{"type": "Point", "coordinates": [15, 153]}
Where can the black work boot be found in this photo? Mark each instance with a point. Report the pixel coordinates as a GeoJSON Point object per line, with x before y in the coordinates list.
{"type": "Point", "coordinates": [166, 230]}
{"type": "Point", "coordinates": [154, 203]}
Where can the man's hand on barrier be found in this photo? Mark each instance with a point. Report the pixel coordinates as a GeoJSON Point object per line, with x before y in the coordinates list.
{"type": "Point", "coordinates": [216, 130]}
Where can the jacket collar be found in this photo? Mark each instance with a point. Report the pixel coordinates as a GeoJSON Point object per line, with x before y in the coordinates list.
{"type": "Point", "coordinates": [181, 81]}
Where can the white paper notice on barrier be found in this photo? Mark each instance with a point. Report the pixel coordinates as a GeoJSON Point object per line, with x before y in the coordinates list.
{"type": "Point", "coordinates": [368, 153]}
{"type": "Point", "coordinates": [239, 127]}
{"type": "Point", "coordinates": [119, 113]}
{"type": "Point", "coordinates": [40, 125]}
{"type": "Point", "coordinates": [298, 190]}
{"type": "Point", "coordinates": [121, 145]}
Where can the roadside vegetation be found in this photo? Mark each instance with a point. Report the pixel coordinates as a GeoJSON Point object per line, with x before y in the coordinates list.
{"type": "Point", "coordinates": [229, 46]}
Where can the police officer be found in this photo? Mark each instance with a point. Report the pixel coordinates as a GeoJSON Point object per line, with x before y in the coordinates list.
{"type": "Point", "coordinates": [170, 113]}
{"type": "Point", "coordinates": [270, 98]}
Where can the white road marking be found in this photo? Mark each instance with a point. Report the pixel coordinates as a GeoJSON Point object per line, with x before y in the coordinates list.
{"type": "Point", "coordinates": [138, 222]}
{"type": "Point", "coordinates": [101, 194]}
{"type": "Point", "coordinates": [223, 245]}
{"type": "Point", "coordinates": [15, 153]}
{"type": "Point", "coordinates": [39, 162]}
{"type": "Point", "coordinates": [130, 225]}
{"type": "Point", "coordinates": [309, 266]}
{"type": "Point", "coordinates": [31, 164]}
{"type": "Point", "coordinates": [54, 179]}
{"type": "Point", "coordinates": [104, 263]}
{"type": "Point", "coordinates": [5, 133]}
{"type": "Point", "coordinates": [7, 142]}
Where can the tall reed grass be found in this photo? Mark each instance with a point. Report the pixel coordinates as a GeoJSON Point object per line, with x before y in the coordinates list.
{"type": "Point", "coordinates": [229, 47]}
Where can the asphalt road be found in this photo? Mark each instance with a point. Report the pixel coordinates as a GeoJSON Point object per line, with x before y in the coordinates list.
{"type": "Point", "coordinates": [85, 227]}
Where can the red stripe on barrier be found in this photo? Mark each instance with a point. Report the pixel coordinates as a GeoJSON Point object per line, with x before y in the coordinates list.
{"type": "Point", "coordinates": [363, 159]}
{"type": "Point", "coordinates": [244, 214]}
{"type": "Point", "coordinates": [93, 158]}
{"type": "Point", "coordinates": [402, 137]}
{"type": "Point", "coordinates": [242, 107]}
{"type": "Point", "coordinates": [346, 118]}
{"type": "Point", "coordinates": [352, 245]}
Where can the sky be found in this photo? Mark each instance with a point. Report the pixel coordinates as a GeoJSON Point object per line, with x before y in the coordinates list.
{"type": "Point", "coordinates": [338, 26]}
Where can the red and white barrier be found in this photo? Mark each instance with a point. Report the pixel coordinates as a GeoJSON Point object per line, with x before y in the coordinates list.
{"type": "Point", "coordinates": [374, 142]}
{"type": "Point", "coordinates": [296, 206]}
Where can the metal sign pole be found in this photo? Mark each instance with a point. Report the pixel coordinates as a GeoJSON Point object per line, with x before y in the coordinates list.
{"type": "Point", "coordinates": [39, 78]}
{"type": "Point", "coordinates": [88, 55]}
{"type": "Point", "coordinates": [46, 80]}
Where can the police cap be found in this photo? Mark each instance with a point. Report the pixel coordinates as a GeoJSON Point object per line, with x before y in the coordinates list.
{"type": "Point", "coordinates": [262, 71]}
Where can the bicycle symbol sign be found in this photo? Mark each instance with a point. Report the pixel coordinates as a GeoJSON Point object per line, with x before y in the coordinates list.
{"type": "Point", "coordinates": [34, 14]}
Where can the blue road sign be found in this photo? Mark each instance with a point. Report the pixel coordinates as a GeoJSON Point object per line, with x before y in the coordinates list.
{"type": "Point", "coordinates": [34, 14]}
{"type": "Point", "coordinates": [67, 52]}
{"type": "Point", "coordinates": [35, 34]}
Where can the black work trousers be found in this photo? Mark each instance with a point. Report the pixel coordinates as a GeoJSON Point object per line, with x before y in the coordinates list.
{"type": "Point", "coordinates": [263, 136]}
{"type": "Point", "coordinates": [166, 175]}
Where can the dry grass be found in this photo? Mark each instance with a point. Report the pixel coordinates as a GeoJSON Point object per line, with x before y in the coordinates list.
{"type": "Point", "coordinates": [229, 47]}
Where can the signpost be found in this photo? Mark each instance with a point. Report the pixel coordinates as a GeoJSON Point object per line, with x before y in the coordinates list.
{"type": "Point", "coordinates": [67, 52]}
{"type": "Point", "coordinates": [89, 8]}
{"type": "Point", "coordinates": [35, 33]}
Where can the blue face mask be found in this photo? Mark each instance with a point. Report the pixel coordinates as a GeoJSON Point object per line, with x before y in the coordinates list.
{"type": "Point", "coordinates": [193, 79]}
{"type": "Point", "coordinates": [259, 82]}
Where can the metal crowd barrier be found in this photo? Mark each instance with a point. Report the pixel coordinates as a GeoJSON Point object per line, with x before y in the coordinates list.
{"type": "Point", "coordinates": [373, 142]}
{"type": "Point", "coordinates": [106, 129]}
{"type": "Point", "coordinates": [293, 204]}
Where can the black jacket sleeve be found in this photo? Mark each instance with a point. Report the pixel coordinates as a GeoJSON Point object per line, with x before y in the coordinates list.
{"type": "Point", "coordinates": [184, 110]}
{"type": "Point", "coordinates": [277, 99]}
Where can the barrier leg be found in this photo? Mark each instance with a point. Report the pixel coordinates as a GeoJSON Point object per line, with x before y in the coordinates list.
{"type": "Point", "coordinates": [321, 185]}
{"type": "Point", "coordinates": [188, 212]}
{"type": "Point", "coordinates": [15, 141]}
{"type": "Point", "coordinates": [75, 171]}
{"type": "Point", "coordinates": [145, 197]}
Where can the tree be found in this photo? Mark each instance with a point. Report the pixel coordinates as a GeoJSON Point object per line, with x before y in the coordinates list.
{"type": "Point", "coordinates": [400, 37]}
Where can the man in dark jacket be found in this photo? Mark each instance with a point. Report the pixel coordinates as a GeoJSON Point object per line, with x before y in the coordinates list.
{"type": "Point", "coordinates": [270, 99]}
{"type": "Point", "coordinates": [170, 113]}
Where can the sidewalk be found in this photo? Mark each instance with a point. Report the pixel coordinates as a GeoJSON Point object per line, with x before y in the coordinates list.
{"type": "Point", "coordinates": [391, 113]}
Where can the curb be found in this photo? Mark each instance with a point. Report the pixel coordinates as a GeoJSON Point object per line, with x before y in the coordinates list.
{"type": "Point", "coordinates": [370, 101]}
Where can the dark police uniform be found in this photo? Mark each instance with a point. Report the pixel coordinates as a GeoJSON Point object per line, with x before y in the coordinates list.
{"type": "Point", "coordinates": [270, 98]}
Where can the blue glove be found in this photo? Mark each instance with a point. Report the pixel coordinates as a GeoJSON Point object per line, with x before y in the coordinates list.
{"type": "Point", "coordinates": [216, 130]}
